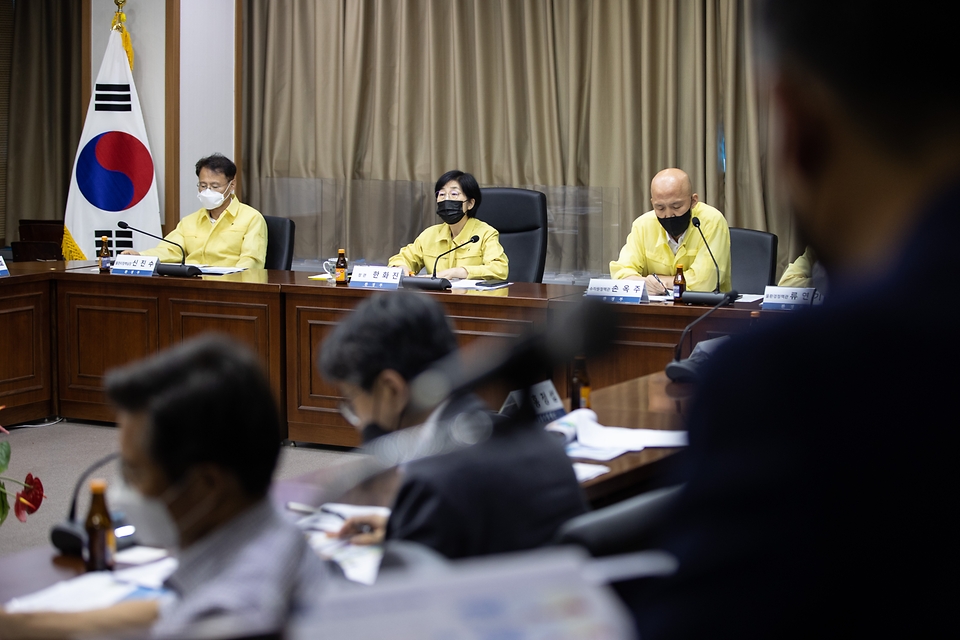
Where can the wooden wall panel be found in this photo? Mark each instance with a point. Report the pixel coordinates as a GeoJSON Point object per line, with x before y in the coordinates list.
{"type": "Point", "coordinates": [101, 326]}
{"type": "Point", "coordinates": [26, 378]}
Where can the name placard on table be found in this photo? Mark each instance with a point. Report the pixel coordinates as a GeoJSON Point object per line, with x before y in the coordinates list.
{"type": "Point", "coordinates": [3, 268]}
{"type": "Point", "coordinates": [547, 405]}
{"type": "Point", "coordinates": [134, 265]}
{"type": "Point", "coordinates": [787, 298]}
{"type": "Point", "coordinates": [621, 291]}
{"type": "Point", "coordinates": [370, 277]}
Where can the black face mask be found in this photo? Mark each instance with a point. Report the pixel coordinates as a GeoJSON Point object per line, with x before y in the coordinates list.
{"type": "Point", "coordinates": [371, 432]}
{"type": "Point", "coordinates": [675, 225]}
{"type": "Point", "coordinates": [450, 211]}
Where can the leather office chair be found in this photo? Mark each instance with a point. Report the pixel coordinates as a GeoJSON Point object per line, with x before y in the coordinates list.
{"type": "Point", "coordinates": [281, 233]}
{"type": "Point", "coordinates": [753, 260]}
{"type": "Point", "coordinates": [620, 528]}
{"type": "Point", "coordinates": [520, 215]}
{"type": "Point", "coordinates": [32, 250]}
{"type": "Point", "coordinates": [41, 230]}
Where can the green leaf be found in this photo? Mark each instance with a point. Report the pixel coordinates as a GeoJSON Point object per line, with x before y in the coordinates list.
{"type": "Point", "coordinates": [4, 505]}
{"type": "Point", "coordinates": [4, 455]}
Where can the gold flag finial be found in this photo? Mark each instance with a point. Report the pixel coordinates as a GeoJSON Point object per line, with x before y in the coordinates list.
{"type": "Point", "coordinates": [118, 19]}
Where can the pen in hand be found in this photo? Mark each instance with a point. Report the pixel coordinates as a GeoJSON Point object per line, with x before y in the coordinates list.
{"type": "Point", "coordinates": [660, 282]}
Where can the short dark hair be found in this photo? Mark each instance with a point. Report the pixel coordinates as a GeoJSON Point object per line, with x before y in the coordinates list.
{"type": "Point", "coordinates": [468, 184]}
{"type": "Point", "coordinates": [208, 401]}
{"type": "Point", "coordinates": [402, 330]}
{"type": "Point", "coordinates": [218, 163]}
{"type": "Point", "coordinates": [881, 58]}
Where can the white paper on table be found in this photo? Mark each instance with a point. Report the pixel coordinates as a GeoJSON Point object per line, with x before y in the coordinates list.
{"type": "Point", "coordinates": [749, 297]}
{"type": "Point", "coordinates": [140, 555]}
{"type": "Point", "coordinates": [471, 285]}
{"type": "Point", "coordinates": [668, 298]}
{"type": "Point", "coordinates": [360, 563]}
{"type": "Point", "coordinates": [94, 590]}
{"type": "Point", "coordinates": [577, 450]}
{"type": "Point", "coordinates": [586, 471]}
{"type": "Point", "coordinates": [599, 437]}
{"type": "Point", "coordinates": [219, 271]}
{"type": "Point", "coordinates": [149, 576]}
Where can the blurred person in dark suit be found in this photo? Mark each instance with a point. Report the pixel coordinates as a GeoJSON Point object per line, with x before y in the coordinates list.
{"type": "Point", "coordinates": [507, 493]}
{"type": "Point", "coordinates": [825, 509]}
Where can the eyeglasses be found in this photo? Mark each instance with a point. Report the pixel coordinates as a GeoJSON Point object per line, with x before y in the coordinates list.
{"type": "Point", "coordinates": [216, 186]}
{"type": "Point", "coordinates": [346, 410]}
{"type": "Point", "coordinates": [453, 194]}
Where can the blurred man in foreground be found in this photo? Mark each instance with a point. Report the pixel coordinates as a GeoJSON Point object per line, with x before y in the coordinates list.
{"type": "Point", "coordinates": [199, 440]}
{"type": "Point", "coordinates": [825, 509]}
{"type": "Point", "coordinates": [507, 493]}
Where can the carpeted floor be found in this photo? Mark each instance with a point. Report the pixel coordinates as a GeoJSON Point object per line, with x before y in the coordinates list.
{"type": "Point", "coordinates": [58, 454]}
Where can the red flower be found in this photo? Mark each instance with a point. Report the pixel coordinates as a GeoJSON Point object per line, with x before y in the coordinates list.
{"type": "Point", "coordinates": [28, 500]}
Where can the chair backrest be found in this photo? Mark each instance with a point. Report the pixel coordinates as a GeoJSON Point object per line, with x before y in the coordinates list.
{"type": "Point", "coordinates": [621, 527]}
{"type": "Point", "coordinates": [520, 215]}
{"type": "Point", "coordinates": [753, 260]}
{"type": "Point", "coordinates": [31, 250]}
{"type": "Point", "coordinates": [281, 233]}
{"type": "Point", "coordinates": [41, 230]}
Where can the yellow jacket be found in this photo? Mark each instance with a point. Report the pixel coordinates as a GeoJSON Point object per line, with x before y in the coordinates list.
{"type": "Point", "coordinates": [799, 273]}
{"type": "Point", "coordinates": [237, 239]}
{"type": "Point", "coordinates": [484, 260]}
{"type": "Point", "coordinates": [646, 251]}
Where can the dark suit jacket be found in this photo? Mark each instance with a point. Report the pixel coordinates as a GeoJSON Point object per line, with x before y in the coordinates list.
{"type": "Point", "coordinates": [508, 493]}
{"type": "Point", "coordinates": [821, 472]}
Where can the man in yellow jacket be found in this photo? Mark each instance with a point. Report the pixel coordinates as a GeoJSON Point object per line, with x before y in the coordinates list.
{"type": "Point", "coordinates": [225, 232]}
{"type": "Point", "coordinates": [666, 237]}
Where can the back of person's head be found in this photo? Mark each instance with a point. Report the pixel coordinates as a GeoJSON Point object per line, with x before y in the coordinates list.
{"type": "Point", "coordinates": [468, 185]}
{"type": "Point", "coordinates": [208, 401]}
{"type": "Point", "coordinates": [886, 61]}
{"type": "Point", "coordinates": [402, 330]}
{"type": "Point", "coordinates": [218, 163]}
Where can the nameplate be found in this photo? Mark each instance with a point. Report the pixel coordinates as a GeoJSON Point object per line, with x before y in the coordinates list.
{"type": "Point", "coordinates": [787, 298]}
{"type": "Point", "coordinates": [370, 277]}
{"type": "Point", "coordinates": [134, 265]}
{"type": "Point", "coordinates": [3, 268]}
{"type": "Point", "coordinates": [621, 291]}
{"type": "Point", "coordinates": [546, 402]}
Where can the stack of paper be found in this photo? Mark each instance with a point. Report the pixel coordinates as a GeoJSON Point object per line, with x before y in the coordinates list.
{"type": "Point", "coordinates": [588, 439]}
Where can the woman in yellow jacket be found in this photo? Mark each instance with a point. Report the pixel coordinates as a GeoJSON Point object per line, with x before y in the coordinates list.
{"type": "Point", "coordinates": [458, 199]}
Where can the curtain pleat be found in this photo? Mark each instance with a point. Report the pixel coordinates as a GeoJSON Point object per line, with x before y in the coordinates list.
{"type": "Point", "coordinates": [352, 108]}
{"type": "Point", "coordinates": [45, 110]}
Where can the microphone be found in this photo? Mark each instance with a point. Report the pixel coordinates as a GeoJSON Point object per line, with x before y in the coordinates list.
{"type": "Point", "coordinates": [582, 329]}
{"type": "Point", "coordinates": [70, 537]}
{"type": "Point", "coordinates": [433, 283]}
{"type": "Point", "coordinates": [686, 370]}
{"type": "Point", "coordinates": [181, 270]}
{"type": "Point", "coordinates": [437, 261]}
{"type": "Point", "coordinates": [696, 223]}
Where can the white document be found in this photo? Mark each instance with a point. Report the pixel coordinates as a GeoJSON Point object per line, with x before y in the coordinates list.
{"type": "Point", "coordinates": [471, 285]}
{"type": "Point", "coordinates": [219, 271]}
{"type": "Point", "coordinates": [359, 563]}
{"type": "Point", "coordinates": [577, 450]}
{"type": "Point", "coordinates": [140, 555]}
{"type": "Point", "coordinates": [749, 297]}
{"type": "Point", "coordinates": [600, 437]}
{"type": "Point", "coordinates": [587, 471]}
{"type": "Point", "coordinates": [149, 576]}
{"type": "Point", "coordinates": [94, 590]}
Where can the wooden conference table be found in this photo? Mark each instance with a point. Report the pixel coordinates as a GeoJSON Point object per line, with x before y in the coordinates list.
{"type": "Point", "coordinates": [650, 402]}
{"type": "Point", "coordinates": [63, 326]}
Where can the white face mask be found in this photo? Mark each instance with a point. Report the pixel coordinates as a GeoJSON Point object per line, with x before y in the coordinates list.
{"type": "Point", "coordinates": [211, 199]}
{"type": "Point", "coordinates": [150, 517]}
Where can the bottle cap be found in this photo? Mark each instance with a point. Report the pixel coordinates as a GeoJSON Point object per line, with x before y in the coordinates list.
{"type": "Point", "coordinates": [754, 314]}
{"type": "Point", "coordinates": [98, 485]}
{"type": "Point", "coordinates": [679, 266]}
{"type": "Point", "coordinates": [340, 251]}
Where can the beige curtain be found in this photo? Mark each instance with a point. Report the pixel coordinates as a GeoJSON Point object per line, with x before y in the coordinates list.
{"type": "Point", "coordinates": [45, 110]}
{"type": "Point", "coordinates": [351, 109]}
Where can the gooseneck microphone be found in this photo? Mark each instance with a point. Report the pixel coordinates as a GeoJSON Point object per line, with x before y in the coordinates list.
{"type": "Point", "coordinates": [437, 261]}
{"type": "Point", "coordinates": [182, 270]}
{"type": "Point", "coordinates": [696, 223]}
